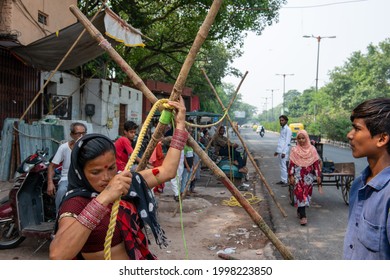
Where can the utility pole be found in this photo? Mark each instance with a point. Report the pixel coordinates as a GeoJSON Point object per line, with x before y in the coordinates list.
{"type": "Point", "coordinates": [318, 52]}
{"type": "Point", "coordinates": [318, 62]}
{"type": "Point", "coordinates": [284, 87]}
{"type": "Point", "coordinates": [266, 112]}
{"type": "Point", "coordinates": [272, 102]}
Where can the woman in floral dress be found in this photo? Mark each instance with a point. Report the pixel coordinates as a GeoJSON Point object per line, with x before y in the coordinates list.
{"type": "Point", "coordinates": [303, 169]}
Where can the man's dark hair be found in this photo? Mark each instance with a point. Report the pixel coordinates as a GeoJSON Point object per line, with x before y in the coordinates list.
{"type": "Point", "coordinates": [130, 125]}
{"type": "Point", "coordinates": [284, 117]}
{"type": "Point", "coordinates": [376, 115]}
{"type": "Point", "coordinates": [73, 125]}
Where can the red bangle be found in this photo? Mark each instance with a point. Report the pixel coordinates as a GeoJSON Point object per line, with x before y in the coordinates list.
{"type": "Point", "coordinates": [179, 139]}
{"type": "Point", "coordinates": [92, 214]}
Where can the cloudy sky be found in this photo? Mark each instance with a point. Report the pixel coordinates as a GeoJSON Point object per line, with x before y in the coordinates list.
{"type": "Point", "coordinates": [282, 49]}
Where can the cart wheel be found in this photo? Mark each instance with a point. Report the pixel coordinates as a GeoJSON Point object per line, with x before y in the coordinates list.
{"type": "Point", "coordinates": [291, 194]}
{"type": "Point", "coordinates": [345, 189]}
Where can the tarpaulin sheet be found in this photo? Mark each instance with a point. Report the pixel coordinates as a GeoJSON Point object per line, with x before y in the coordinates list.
{"type": "Point", "coordinates": [47, 53]}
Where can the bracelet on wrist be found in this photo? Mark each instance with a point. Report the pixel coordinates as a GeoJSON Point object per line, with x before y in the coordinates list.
{"type": "Point", "coordinates": [179, 139]}
{"type": "Point", "coordinates": [92, 214]}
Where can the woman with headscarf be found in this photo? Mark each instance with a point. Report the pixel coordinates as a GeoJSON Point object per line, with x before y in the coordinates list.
{"type": "Point", "coordinates": [94, 185]}
{"type": "Point", "coordinates": [304, 167]}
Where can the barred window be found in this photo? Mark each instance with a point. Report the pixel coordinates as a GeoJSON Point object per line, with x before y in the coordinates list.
{"type": "Point", "coordinates": [42, 18]}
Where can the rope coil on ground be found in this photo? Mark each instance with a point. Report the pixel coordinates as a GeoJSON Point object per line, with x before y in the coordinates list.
{"type": "Point", "coordinates": [251, 198]}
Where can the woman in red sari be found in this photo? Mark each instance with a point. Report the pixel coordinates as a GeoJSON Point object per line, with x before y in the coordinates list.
{"type": "Point", "coordinates": [303, 169]}
{"type": "Point", "coordinates": [94, 185]}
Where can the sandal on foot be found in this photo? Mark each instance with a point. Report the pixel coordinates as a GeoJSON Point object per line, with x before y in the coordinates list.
{"type": "Point", "coordinates": [303, 221]}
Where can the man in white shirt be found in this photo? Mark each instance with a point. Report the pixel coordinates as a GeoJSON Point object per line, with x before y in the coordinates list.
{"type": "Point", "coordinates": [77, 130]}
{"type": "Point", "coordinates": [212, 130]}
{"type": "Point", "coordinates": [283, 148]}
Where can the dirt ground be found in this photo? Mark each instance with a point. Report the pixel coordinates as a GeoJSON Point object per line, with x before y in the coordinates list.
{"type": "Point", "coordinates": [206, 227]}
{"type": "Point", "coordinates": [203, 228]}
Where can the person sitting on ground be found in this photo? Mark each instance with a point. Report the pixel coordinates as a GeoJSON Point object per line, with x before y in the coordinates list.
{"type": "Point", "coordinates": [205, 137]}
{"type": "Point", "coordinates": [221, 144]}
{"type": "Point", "coordinates": [94, 185]}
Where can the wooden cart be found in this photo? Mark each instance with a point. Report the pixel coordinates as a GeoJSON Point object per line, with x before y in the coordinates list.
{"type": "Point", "coordinates": [342, 177]}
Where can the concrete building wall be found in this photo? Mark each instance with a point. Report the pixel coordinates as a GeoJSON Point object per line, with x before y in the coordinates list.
{"type": "Point", "coordinates": [21, 17]}
{"type": "Point", "coordinates": [64, 85]}
{"type": "Point", "coordinates": [107, 97]}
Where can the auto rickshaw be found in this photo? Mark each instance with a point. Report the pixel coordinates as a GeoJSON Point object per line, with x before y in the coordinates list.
{"type": "Point", "coordinates": [295, 127]}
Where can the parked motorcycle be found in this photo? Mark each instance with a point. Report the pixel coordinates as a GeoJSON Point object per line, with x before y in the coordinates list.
{"type": "Point", "coordinates": [28, 211]}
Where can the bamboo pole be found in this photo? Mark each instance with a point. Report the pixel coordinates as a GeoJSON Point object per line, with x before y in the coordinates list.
{"type": "Point", "coordinates": [246, 148]}
{"type": "Point", "coordinates": [176, 92]}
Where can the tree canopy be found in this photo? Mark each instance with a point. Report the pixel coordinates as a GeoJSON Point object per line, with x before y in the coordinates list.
{"type": "Point", "coordinates": [173, 25]}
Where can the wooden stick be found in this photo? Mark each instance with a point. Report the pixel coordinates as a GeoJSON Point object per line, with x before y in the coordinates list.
{"type": "Point", "coordinates": [246, 148]}
{"type": "Point", "coordinates": [176, 92]}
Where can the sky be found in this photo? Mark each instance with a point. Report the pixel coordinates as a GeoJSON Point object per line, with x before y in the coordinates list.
{"type": "Point", "coordinates": [282, 49]}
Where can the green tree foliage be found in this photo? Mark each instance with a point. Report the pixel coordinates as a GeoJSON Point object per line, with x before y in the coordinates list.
{"type": "Point", "coordinates": [362, 77]}
{"type": "Point", "coordinates": [173, 25]}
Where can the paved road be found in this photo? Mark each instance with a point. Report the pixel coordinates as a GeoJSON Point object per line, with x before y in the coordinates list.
{"type": "Point", "coordinates": [322, 238]}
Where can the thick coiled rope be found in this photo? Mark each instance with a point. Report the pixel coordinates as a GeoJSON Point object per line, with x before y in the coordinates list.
{"type": "Point", "coordinates": [251, 198]}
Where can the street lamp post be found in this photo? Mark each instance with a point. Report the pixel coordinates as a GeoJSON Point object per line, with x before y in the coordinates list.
{"type": "Point", "coordinates": [318, 52]}
{"type": "Point", "coordinates": [266, 112]}
{"type": "Point", "coordinates": [284, 86]}
{"type": "Point", "coordinates": [272, 102]}
{"type": "Point", "coordinates": [318, 61]}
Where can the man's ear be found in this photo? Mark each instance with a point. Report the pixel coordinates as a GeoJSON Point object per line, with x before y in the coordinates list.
{"type": "Point", "coordinates": [384, 139]}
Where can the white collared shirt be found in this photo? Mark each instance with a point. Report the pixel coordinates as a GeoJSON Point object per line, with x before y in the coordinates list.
{"type": "Point", "coordinates": [284, 140]}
